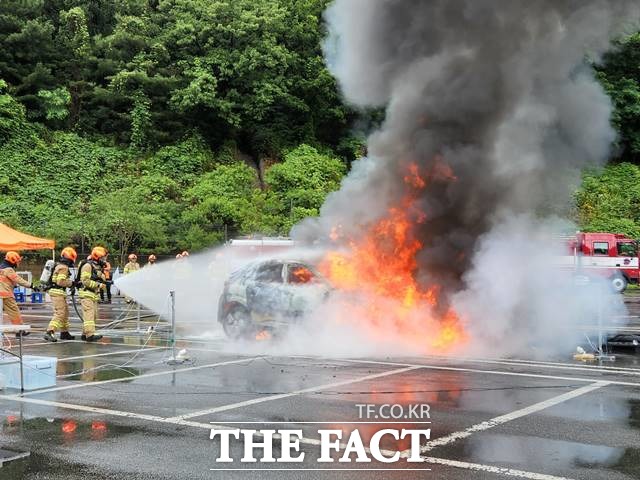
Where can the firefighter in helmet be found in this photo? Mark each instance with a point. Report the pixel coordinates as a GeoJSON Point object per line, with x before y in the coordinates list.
{"type": "Point", "coordinates": [9, 279]}
{"type": "Point", "coordinates": [107, 275]}
{"type": "Point", "coordinates": [60, 281]}
{"type": "Point", "coordinates": [131, 267]}
{"type": "Point", "coordinates": [92, 281]}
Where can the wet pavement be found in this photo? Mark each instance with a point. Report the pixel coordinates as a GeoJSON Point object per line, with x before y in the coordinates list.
{"type": "Point", "coordinates": [119, 410]}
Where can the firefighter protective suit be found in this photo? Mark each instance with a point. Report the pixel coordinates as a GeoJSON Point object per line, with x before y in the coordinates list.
{"type": "Point", "coordinates": [60, 281]}
{"type": "Point", "coordinates": [92, 281]}
{"type": "Point", "coordinates": [131, 267]}
{"type": "Point", "coordinates": [9, 279]}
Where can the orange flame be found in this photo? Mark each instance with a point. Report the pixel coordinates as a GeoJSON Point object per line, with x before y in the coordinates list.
{"type": "Point", "coordinates": [263, 335]}
{"type": "Point", "coordinates": [302, 275]}
{"type": "Point", "coordinates": [382, 266]}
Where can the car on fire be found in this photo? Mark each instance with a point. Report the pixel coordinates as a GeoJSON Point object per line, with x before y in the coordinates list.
{"type": "Point", "coordinates": [269, 295]}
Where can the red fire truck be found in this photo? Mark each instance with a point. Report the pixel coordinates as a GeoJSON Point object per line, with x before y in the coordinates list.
{"type": "Point", "coordinates": [610, 255]}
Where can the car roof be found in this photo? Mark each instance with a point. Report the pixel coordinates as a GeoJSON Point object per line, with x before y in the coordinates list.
{"type": "Point", "coordinates": [259, 263]}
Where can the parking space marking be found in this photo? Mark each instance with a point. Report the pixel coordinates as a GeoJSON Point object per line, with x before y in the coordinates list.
{"type": "Point", "coordinates": [120, 352]}
{"type": "Point", "coordinates": [549, 365]}
{"type": "Point", "coordinates": [232, 406]}
{"type": "Point", "coordinates": [494, 422]}
{"type": "Point", "coordinates": [135, 377]}
{"type": "Point", "coordinates": [306, 441]}
{"type": "Point", "coordinates": [81, 342]}
{"type": "Point", "coordinates": [495, 372]}
{"type": "Point", "coordinates": [509, 472]}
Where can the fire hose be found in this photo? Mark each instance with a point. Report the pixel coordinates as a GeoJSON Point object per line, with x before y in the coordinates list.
{"type": "Point", "coordinates": [73, 298]}
{"type": "Point", "coordinates": [75, 306]}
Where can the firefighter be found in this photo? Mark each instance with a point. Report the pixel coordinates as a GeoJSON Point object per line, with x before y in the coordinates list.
{"type": "Point", "coordinates": [107, 275]}
{"type": "Point", "coordinates": [152, 260]}
{"type": "Point", "coordinates": [60, 281]}
{"type": "Point", "coordinates": [91, 282]}
{"type": "Point", "coordinates": [131, 267]}
{"type": "Point", "coordinates": [9, 279]}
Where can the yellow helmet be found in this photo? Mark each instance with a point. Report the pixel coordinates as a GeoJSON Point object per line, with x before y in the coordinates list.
{"type": "Point", "coordinates": [98, 252]}
{"type": "Point", "coordinates": [13, 257]}
{"type": "Point", "coordinates": [70, 253]}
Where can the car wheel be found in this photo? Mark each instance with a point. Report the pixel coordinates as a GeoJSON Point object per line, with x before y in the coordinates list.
{"type": "Point", "coordinates": [619, 284]}
{"type": "Point", "coordinates": [237, 322]}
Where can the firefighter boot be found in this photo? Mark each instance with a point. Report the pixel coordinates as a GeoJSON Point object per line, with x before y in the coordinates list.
{"type": "Point", "coordinates": [66, 336]}
{"type": "Point", "coordinates": [92, 338]}
{"type": "Point", "coordinates": [50, 337]}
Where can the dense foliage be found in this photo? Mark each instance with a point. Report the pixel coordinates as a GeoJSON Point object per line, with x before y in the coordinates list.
{"type": "Point", "coordinates": [609, 201]}
{"type": "Point", "coordinates": [620, 76]}
{"type": "Point", "coordinates": [163, 125]}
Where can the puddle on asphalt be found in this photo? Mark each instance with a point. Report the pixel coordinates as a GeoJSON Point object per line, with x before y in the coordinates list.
{"type": "Point", "coordinates": [536, 453]}
{"type": "Point", "coordinates": [88, 370]}
{"type": "Point", "coordinates": [59, 431]}
{"type": "Point", "coordinates": [26, 433]}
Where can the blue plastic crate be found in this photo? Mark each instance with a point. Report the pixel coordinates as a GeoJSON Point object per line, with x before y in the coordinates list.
{"type": "Point", "coordinates": [19, 296]}
{"type": "Point", "coordinates": [37, 297]}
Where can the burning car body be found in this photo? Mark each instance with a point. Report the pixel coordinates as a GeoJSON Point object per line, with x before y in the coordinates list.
{"type": "Point", "coordinates": [268, 296]}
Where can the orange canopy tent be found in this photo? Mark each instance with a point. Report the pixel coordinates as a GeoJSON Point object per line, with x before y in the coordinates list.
{"type": "Point", "coordinates": [11, 239]}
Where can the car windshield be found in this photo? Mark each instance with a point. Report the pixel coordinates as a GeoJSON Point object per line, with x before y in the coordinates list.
{"type": "Point", "coordinates": [271, 272]}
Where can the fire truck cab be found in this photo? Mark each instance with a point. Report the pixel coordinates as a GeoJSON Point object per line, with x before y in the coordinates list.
{"type": "Point", "coordinates": [610, 255]}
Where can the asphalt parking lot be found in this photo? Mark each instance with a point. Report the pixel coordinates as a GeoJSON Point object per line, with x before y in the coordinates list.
{"type": "Point", "coordinates": [119, 410]}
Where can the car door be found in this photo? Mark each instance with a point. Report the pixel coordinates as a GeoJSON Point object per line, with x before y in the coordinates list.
{"type": "Point", "coordinates": [308, 289]}
{"type": "Point", "coordinates": [267, 295]}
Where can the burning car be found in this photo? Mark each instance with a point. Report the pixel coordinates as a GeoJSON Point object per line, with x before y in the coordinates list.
{"type": "Point", "coordinates": [268, 296]}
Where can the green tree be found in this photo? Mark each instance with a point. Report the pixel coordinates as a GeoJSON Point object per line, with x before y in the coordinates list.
{"type": "Point", "coordinates": [620, 76]}
{"type": "Point", "coordinates": [136, 217]}
{"type": "Point", "coordinates": [219, 202]}
{"type": "Point", "coordinates": [302, 181]}
{"type": "Point", "coordinates": [140, 121]}
{"type": "Point", "coordinates": [609, 201]}
{"type": "Point", "coordinates": [55, 103]}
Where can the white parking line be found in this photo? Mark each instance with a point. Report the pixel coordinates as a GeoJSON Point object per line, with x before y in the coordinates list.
{"type": "Point", "coordinates": [494, 422]}
{"type": "Point", "coordinates": [224, 408]}
{"type": "Point", "coordinates": [81, 342]}
{"type": "Point", "coordinates": [120, 352]}
{"type": "Point", "coordinates": [306, 441]}
{"type": "Point", "coordinates": [495, 372]}
{"type": "Point", "coordinates": [477, 467]}
{"type": "Point", "coordinates": [135, 377]}
{"type": "Point", "coordinates": [549, 365]}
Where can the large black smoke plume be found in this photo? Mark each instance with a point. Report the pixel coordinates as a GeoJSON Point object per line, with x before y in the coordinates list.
{"type": "Point", "coordinates": [500, 92]}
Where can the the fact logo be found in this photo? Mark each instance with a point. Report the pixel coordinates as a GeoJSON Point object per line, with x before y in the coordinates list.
{"type": "Point", "coordinates": [330, 443]}
{"type": "Point", "coordinates": [333, 445]}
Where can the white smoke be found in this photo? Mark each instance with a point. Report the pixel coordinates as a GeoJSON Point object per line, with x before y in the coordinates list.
{"type": "Point", "coordinates": [499, 92]}
{"type": "Point", "coordinates": [502, 93]}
